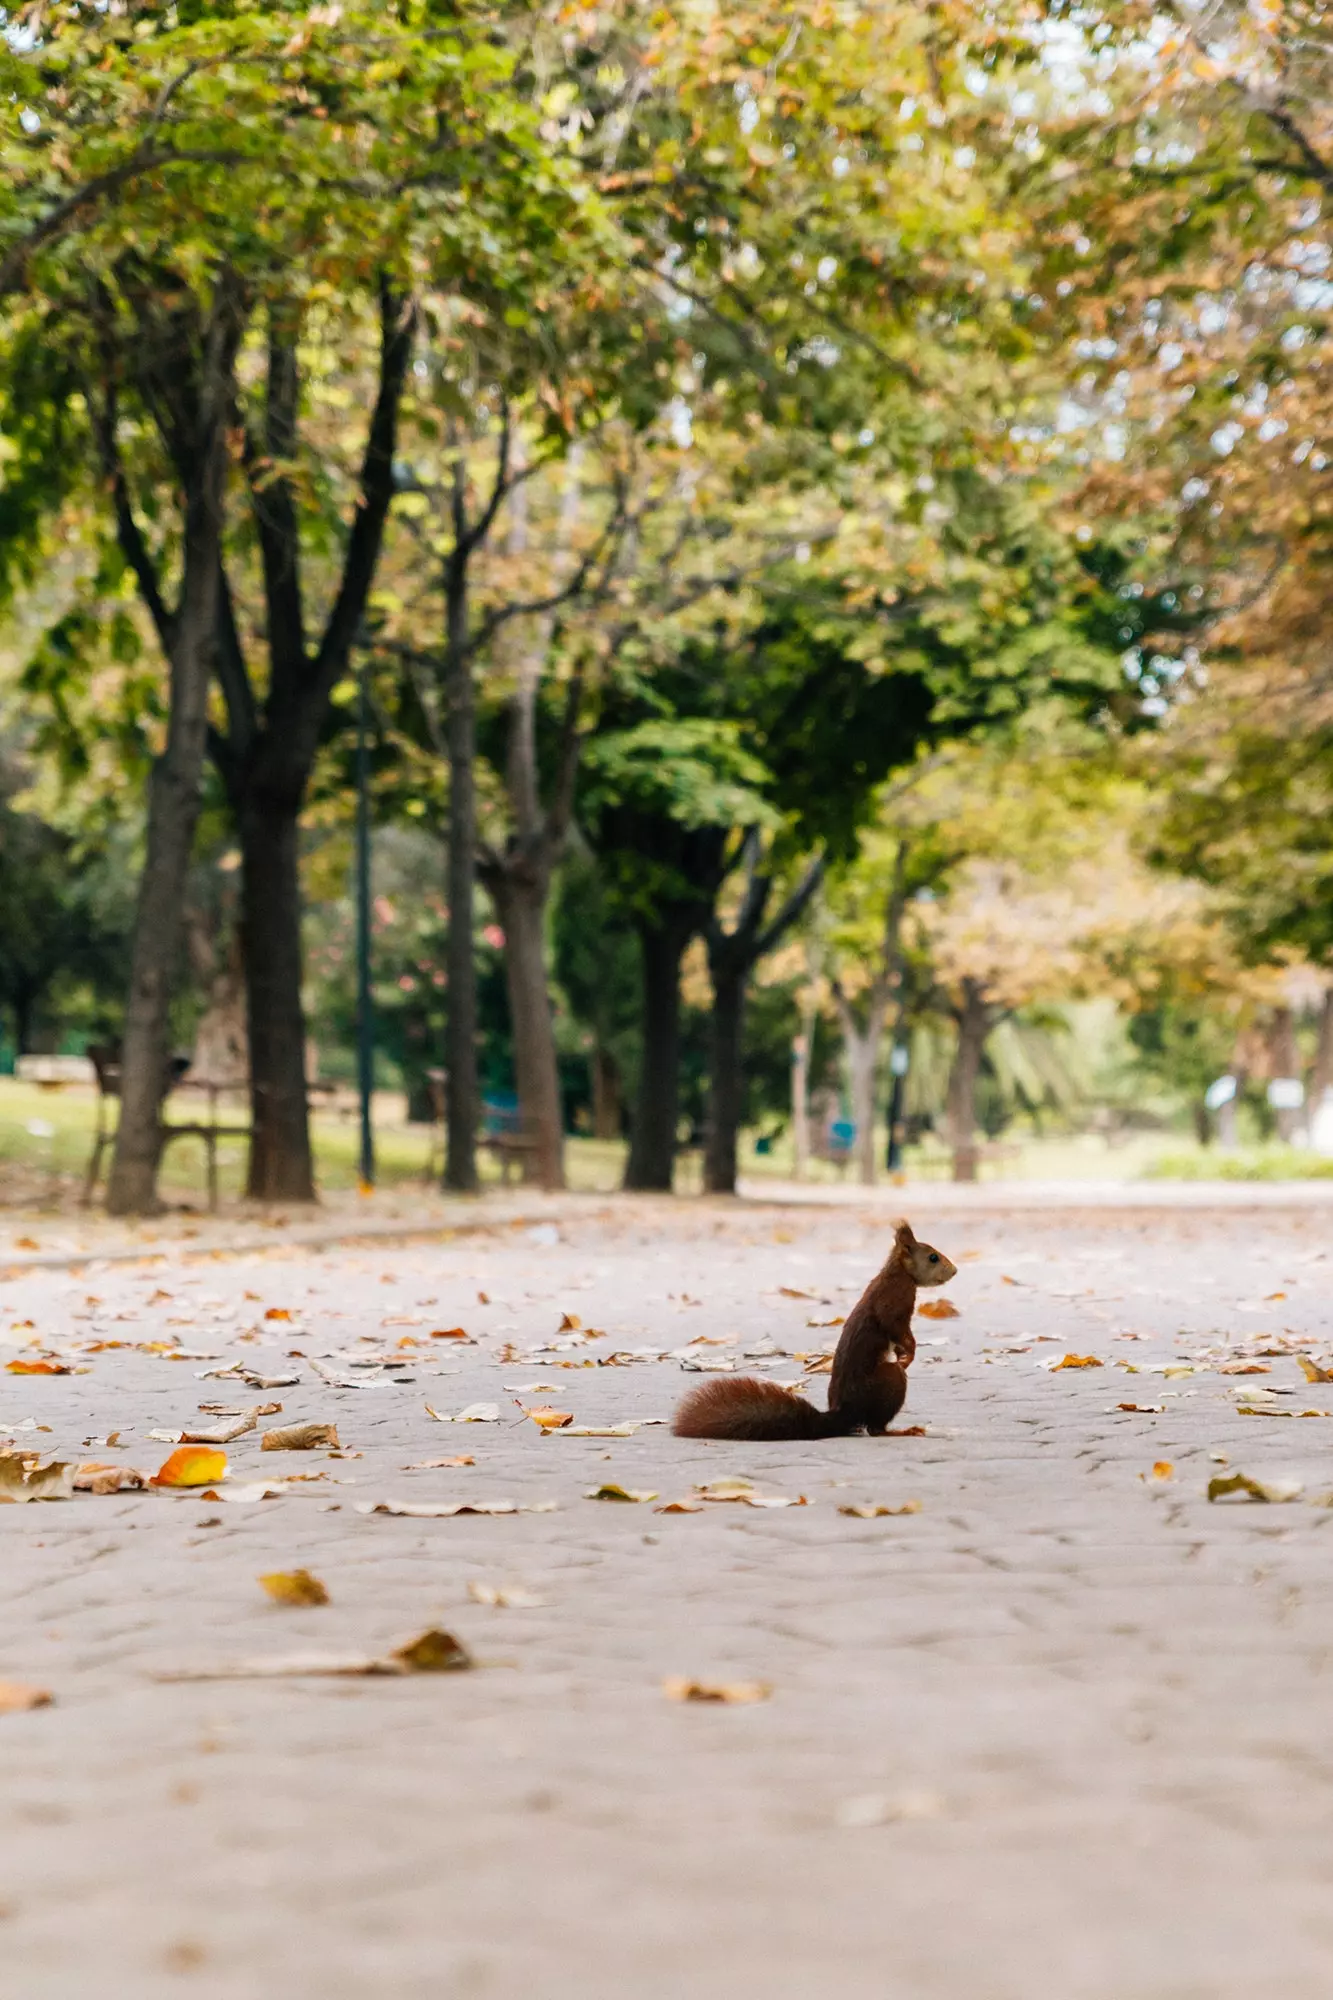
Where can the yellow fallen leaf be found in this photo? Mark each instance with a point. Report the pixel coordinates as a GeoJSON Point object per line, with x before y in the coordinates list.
{"type": "Point", "coordinates": [1163, 1469]}
{"type": "Point", "coordinates": [37, 1367]}
{"type": "Point", "coordinates": [1076, 1361]}
{"type": "Point", "coordinates": [191, 1465]}
{"type": "Point", "coordinates": [938, 1309]}
{"type": "Point", "coordinates": [873, 1513]}
{"type": "Point", "coordinates": [735, 1692]}
{"type": "Point", "coordinates": [1312, 1371]}
{"type": "Point", "coordinates": [1245, 1368]}
{"type": "Point", "coordinates": [16, 1696]}
{"type": "Point", "coordinates": [547, 1419]}
{"type": "Point", "coordinates": [431, 1652]}
{"type": "Point", "coordinates": [569, 1323]}
{"type": "Point", "coordinates": [610, 1491]}
{"type": "Point", "coordinates": [1270, 1296]}
{"type": "Point", "coordinates": [294, 1586]}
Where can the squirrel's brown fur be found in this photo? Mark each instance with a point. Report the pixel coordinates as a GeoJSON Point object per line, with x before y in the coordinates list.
{"type": "Point", "coordinates": [868, 1385]}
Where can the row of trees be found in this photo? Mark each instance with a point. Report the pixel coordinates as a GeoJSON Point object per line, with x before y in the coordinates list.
{"type": "Point", "coordinates": [706, 436]}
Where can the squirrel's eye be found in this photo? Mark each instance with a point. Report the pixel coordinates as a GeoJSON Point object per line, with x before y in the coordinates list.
{"type": "Point", "coordinates": [934, 1256]}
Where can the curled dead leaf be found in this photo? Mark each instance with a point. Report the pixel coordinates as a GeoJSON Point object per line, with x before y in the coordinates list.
{"type": "Point", "coordinates": [569, 1323]}
{"type": "Point", "coordinates": [609, 1490]}
{"type": "Point", "coordinates": [451, 1333]}
{"type": "Point", "coordinates": [547, 1419]}
{"type": "Point", "coordinates": [938, 1309]}
{"type": "Point", "coordinates": [300, 1437]}
{"type": "Point", "coordinates": [294, 1586]}
{"type": "Point", "coordinates": [1238, 1486]}
{"type": "Point", "coordinates": [873, 1513]}
{"type": "Point", "coordinates": [191, 1465]}
{"type": "Point", "coordinates": [1076, 1361]}
{"type": "Point", "coordinates": [21, 1481]}
{"type": "Point", "coordinates": [681, 1507]}
{"type": "Point", "coordinates": [504, 1597]}
{"type": "Point", "coordinates": [431, 1652]}
{"type": "Point", "coordinates": [475, 1413]}
{"type": "Point", "coordinates": [93, 1477]}
{"type": "Point", "coordinates": [738, 1693]}
{"type": "Point", "coordinates": [37, 1367]}
{"type": "Point", "coordinates": [277, 1312]}
{"type": "Point", "coordinates": [1312, 1371]}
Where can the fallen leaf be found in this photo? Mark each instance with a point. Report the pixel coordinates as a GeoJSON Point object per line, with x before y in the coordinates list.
{"type": "Point", "coordinates": [610, 1491]}
{"type": "Point", "coordinates": [938, 1309]}
{"type": "Point", "coordinates": [681, 1507]}
{"type": "Point", "coordinates": [1244, 1368]}
{"type": "Point", "coordinates": [277, 1312]}
{"type": "Point", "coordinates": [734, 1692]}
{"type": "Point", "coordinates": [1163, 1469]}
{"type": "Point", "coordinates": [451, 1333]}
{"type": "Point", "coordinates": [300, 1437]}
{"type": "Point", "coordinates": [226, 1432]}
{"type": "Point", "coordinates": [569, 1323]}
{"type": "Point", "coordinates": [1240, 1486]}
{"type": "Point", "coordinates": [1076, 1361]}
{"type": "Point", "coordinates": [547, 1419]}
{"type": "Point", "coordinates": [475, 1413]}
{"type": "Point", "coordinates": [838, 1320]}
{"type": "Point", "coordinates": [17, 1696]}
{"type": "Point", "coordinates": [20, 1482]}
{"type": "Point", "coordinates": [795, 1292]}
{"type": "Point", "coordinates": [294, 1586]}
{"type": "Point", "coordinates": [743, 1491]}
{"type": "Point", "coordinates": [250, 1376]}
{"type": "Point", "coordinates": [1270, 1296]}
{"type": "Point", "coordinates": [439, 1510]}
{"type": "Point", "coordinates": [1143, 1409]}
{"type": "Point", "coordinates": [26, 1243]}
{"type": "Point", "coordinates": [873, 1513]}
{"type": "Point", "coordinates": [37, 1367]}
{"type": "Point", "coordinates": [504, 1597]}
{"type": "Point", "coordinates": [605, 1430]}
{"type": "Point", "coordinates": [432, 1652]}
{"type": "Point", "coordinates": [191, 1465]}
{"type": "Point", "coordinates": [438, 1464]}
{"type": "Point", "coordinates": [95, 1478]}
{"type": "Point", "coordinates": [246, 1492]}
{"type": "Point", "coordinates": [1312, 1371]}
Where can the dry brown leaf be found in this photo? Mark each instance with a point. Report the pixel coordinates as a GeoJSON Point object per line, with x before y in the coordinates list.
{"type": "Point", "coordinates": [432, 1652]}
{"type": "Point", "coordinates": [225, 1432]}
{"type": "Point", "coordinates": [433, 1510]}
{"type": "Point", "coordinates": [294, 1586]}
{"type": "Point", "coordinates": [451, 1333]}
{"type": "Point", "coordinates": [734, 1692]}
{"type": "Point", "coordinates": [837, 1320]}
{"type": "Point", "coordinates": [743, 1490]}
{"type": "Point", "coordinates": [1312, 1371]}
{"type": "Point", "coordinates": [1076, 1361]}
{"type": "Point", "coordinates": [609, 1490]}
{"type": "Point", "coordinates": [37, 1367]}
{"type": "Point", "coordinates": [547, 1419]}
{"type": "Point", "coordinates": [192, 1465]}
{"type": "Point", "coordinates": [569, 1323]}
{"type": "Point", "coordinates": [300, 1437]}
{"type": "Point", "coordinates": [681, 1507]}
{"type": "Point", "coordinates": [21, 1481]}
{"type": "Point", "coordinates": [26, 1243]}
{"type": "Point", "coordinates": [1243, 1368]}
{"type": "Point", "coordinates": [95, 1478]}
{"type": "Point", "coordinates": [938, 1309]}
{"type": "Point", "coordinates": [1270, 1296]}
{"type": "Point", "coordinates": [18, 1696]}
{"type": "Point", "coordinates": [873, 1513]}
{"type": "Point", "coordinates": [1238, 1486]}
{"type": "Point", "coordinates": [277, 1312]}
{"type": "Point", "coordinates": [795, 1292]}
{"type": "Point", "coordinates": [438, 1464]}
{"type": "Point", "coordinates": [1143, 1409]}
{"type": "Point", "coordinates": [475, 1413]}
{"type": "Point", "coordinates": [600, 1430]}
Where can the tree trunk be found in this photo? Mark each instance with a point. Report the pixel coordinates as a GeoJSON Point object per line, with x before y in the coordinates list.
{"type": "Point", "coordinates": [726, 1081]}
{"type": "Point", "coordinates": [1321, 1076]}
{"type": "Point", "coordinates": [521, 905]}
{"type": "Point", "coordinates": [974, 1024]}
{"type": "Point", "coordinates": [800, 1103]}
{"type": "Point", "coordinates": [462, 1094]}
{"type": "Point", "coordinates": [652, 1152]}
{"type": "Point", "coordinates": [607, 1112]}
{"type": "Point", "coordinates": [174, 792]}
{"type": "Point", "coordinates": [25, 1006]}
{"type": "Point", "coordinates": [1286, 1064]}
{"type": "Point", "coordinates": [281, 1167]}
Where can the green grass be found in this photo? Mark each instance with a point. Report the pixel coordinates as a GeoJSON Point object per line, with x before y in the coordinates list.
{"type": "Point", "coordinates": [1253, 1163]}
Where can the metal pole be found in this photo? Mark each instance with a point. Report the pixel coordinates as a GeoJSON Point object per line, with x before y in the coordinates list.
{"type": "Point", "coordinates": [365, 1023]}
{"type": "Point", "coordinates": [898, 1063]}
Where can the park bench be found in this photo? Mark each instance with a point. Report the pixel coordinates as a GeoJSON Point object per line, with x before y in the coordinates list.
{"type": "Point", "coordinates": [105, 1060]}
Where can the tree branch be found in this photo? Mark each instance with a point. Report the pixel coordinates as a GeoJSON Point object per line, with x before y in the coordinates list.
{"type": "Point", "coordinates": [273, 502]}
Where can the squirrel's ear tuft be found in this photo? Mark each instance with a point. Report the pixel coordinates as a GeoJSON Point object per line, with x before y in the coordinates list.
{"type": "Point", "coordinates": [902, 1233]}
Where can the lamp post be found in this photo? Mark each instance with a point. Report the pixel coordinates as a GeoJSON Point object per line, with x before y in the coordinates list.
{"type": "Point", "coordinates": [365, 1023]}
{"type": "Point", "coordinates": [899, 1059]}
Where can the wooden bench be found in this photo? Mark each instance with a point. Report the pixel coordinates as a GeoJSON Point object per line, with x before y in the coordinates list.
{"type": "Point", "coordinates": [106, 1064]}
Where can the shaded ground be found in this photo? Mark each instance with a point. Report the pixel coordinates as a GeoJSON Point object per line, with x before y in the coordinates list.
{"type": "Point", "coordinates": [1059, 1733]}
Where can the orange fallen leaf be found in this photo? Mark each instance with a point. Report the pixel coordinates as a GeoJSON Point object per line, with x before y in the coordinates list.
{"type": "Point", "coordinates": [1268, 1296]}
{"type": "Point", "coordinates": [551, 1420]}
{"type": "Point", "coordinates": [1312, 1371]}
{"type": "Point", "coordinates": [1163, 1469]}
{"type": "Point", "coordinates": [1076, 1361]}
{"type": "Point", "coordinates": [938, 1309]}
{"type": "Point", "coordinates": [734, 1692]}
{"type": "Point", "coordinates": [1244, 1368]}
{"type": "Point", "coordinates": [451, 1333]}
{"type": "Point", "coordinates": [300, 1437]}
{"type": "Point", "coordinates": [294, 1586]}
{"type": "Point", "coordinates": [37, 1367]}
{"type": "Point", "coordinates": [191, 1465]}
{"type": "Point", "coordinates": [569, 1323]}
{"type": "Point", "coordinates": [26, 1243]}
{"type": "Point", "coordinates": [681, 1507]}
{"type": "Point", "coordinates": [16, 1696]}
{"type": "Point", "coordinates": [277, 1312]}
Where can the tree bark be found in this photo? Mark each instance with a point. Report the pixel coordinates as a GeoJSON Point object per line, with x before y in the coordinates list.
{"type": "Point", "coordinates": [607, 1111]}
{"type": "Point", "coordinates": [462, 1091]}
{"type": "Point", "coordinates": [726, 1084]}
{"type": "Point", "coordinates": [1321, 1076]}
{"type": "Point", "coordinates": [281, 1163]}
{"type": "Point", "coordinates": [1286, 1064]}
{"type": "Point", "coordinates": [652, 1152]}
{"type": "Point", "coordinates": [175, 786]}
{"type": "Point", "coordinates": [521, 904]}
{"type": "Point", "coordinates": [975, 1020]}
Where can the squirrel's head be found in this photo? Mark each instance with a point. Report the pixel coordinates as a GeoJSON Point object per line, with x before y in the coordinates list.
{"type": "Point", "coordinates": [924, 1265]}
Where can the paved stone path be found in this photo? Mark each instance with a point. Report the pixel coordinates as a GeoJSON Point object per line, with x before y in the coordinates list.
{"type": "Point", "coordinates": [1062, 1734]}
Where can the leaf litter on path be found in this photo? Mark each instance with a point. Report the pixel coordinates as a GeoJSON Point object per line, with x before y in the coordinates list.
{"type": "Point", "coordinates": [441, 1510]}
{"type": "Point", "coordinates": [431, 1652]}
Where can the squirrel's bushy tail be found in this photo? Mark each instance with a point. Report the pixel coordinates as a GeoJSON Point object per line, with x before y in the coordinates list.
{"type": "Point", "coordinates": [743, 1407]}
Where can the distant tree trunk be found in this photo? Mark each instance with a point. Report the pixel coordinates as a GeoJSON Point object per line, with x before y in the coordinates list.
{"type": "Point", "coordinates": [862, 1038]}
{"type": "Point", "coordinates": [281, 1163]}
{"type": "Point", "coordinates": [177, 778]}
{"type": "Point", "coordinates": [652, 1152]}
{"type": "Point", "coordinates": [975, 1018]}
{"type": "Point", "coordinates": [800, 1102]}
{"type": "Point", "coordinates": [1321, 1076]}
{"type": "Point", "coordinates": [521, 906]}
{"type": "Point", "coordinates": [1285, 1064]}
{"type": "Point", "coordinates": [608, 1115]}
{"type": "Point", "coordinates": [25, 1005]}
{"type": "Point", "coordinates": [462, 1091]}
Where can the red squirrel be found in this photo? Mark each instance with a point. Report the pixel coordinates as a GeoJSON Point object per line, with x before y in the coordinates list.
{"type": "Point", "coordinates": [868, 1385]}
